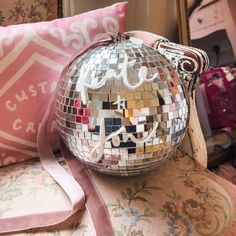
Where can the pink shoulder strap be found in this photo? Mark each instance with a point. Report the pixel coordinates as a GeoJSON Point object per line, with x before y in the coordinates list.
{"type": "Point", "coordinates": [79, 188]}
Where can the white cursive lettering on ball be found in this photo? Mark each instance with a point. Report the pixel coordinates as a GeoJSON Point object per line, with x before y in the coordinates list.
{"type": "Point", "coordinates": [86, 70]}
{"type": "Point", "coordinates": [116, 140]}
{"type": "Point", "coordinates": [119, 102]}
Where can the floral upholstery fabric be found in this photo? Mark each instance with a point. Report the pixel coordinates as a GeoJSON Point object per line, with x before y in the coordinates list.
{"type": "Point", "coordinates": [28, 11]}
{"type": "Point", "coordinates": [178, 198]}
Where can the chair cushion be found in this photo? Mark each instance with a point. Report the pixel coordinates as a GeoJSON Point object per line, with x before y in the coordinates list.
{"type": "Point", "coordinates": [32, 57]}
{"type": "Point", "coordinates": [178, 198]}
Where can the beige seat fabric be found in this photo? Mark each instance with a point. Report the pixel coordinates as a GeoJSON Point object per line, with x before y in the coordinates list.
{"type": "Point", "coordinates": [178, 198]}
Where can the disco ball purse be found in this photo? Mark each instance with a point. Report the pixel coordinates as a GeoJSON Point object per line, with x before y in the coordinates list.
{"type": "Point", "coordinates": [121, 107]}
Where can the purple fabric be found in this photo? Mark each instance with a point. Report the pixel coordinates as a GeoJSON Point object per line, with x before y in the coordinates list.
{"type": "Point", "coordinates": [221, 98]}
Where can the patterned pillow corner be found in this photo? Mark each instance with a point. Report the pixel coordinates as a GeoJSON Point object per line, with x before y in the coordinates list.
{"type": "Point", "coordinates": [32, 57]}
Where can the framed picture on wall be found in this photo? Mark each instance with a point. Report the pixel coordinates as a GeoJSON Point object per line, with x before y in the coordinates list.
{"type": "Point", "coordinates": [29, 11]}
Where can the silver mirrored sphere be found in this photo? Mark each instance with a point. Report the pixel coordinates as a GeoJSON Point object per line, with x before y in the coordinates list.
{"type": "Point", "coordinates": [121, 108]}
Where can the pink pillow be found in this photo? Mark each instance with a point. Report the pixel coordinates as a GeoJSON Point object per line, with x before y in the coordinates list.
{"type": "Point", "coordinates": [31, 59]}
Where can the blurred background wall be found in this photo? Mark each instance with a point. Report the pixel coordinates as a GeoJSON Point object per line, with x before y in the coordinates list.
{"type": "Point", "coordinates": [157, 16]}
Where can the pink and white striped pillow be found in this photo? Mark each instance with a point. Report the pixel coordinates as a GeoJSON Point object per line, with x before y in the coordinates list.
{"type": "Point", "coordinates": [31, 59]}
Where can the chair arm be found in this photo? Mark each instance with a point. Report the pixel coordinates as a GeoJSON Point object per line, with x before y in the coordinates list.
{"type": "Point", "coordinates": [189, 61]}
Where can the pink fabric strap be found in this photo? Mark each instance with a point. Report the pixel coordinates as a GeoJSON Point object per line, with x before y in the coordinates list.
{"type": "Point", "coordinates": [70, 184]}
{"type": "Point", "coordinates": [60, 175]}
{"type": "Point", "coordinates": [94, 202]}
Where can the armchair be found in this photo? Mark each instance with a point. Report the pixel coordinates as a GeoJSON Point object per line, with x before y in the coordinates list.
{"type": "Point", "coordinates": [181, 197]}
